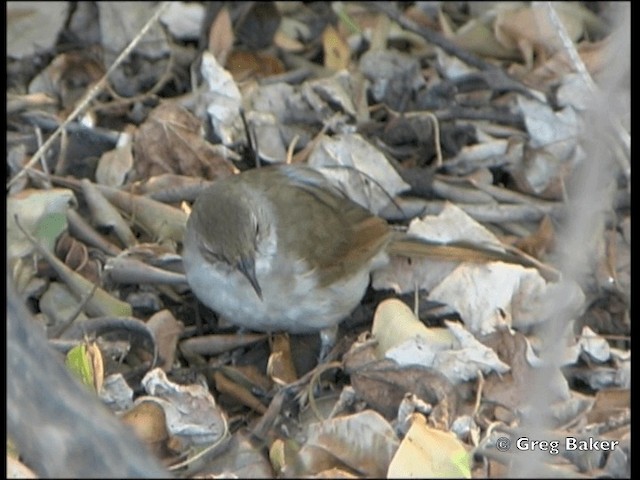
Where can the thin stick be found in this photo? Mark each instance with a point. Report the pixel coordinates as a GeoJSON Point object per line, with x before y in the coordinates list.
{"type": "Point", "coordinates": [93, 92]}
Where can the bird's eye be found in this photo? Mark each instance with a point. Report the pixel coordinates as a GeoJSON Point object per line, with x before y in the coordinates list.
{"type": "Point", "coordinates": [210, 254]}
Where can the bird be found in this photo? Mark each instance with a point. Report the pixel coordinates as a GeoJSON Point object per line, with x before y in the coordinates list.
{"type": "Point", "coordinates": [280, 249]}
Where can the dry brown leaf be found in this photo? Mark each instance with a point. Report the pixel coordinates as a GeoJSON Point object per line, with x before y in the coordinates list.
{"type": "Point", "coordinates": [286, 43]}
{"type": "Point", "coordinates": [171, 141]}
{"type": "Point", "coordinates": [593, 55]}
{"type": "Point", "coordinates": [115, 165]}
{"type": "Point", "coordinates": [609, 403]}
{"type": "Point", "coordinates": [539, 242]}
{"type": "Point", "coordinates": [227, 386]}
{"type": "Point", "coordinates": [244, 65]}
{"type": "Point", "coordinates": [219, 343]}
{"type": "Point", "coordinates": [76, 256]}
{"type": "Point", "coordinates": [221, 36]}
{"type": "Point", "coordinates": [148, 421]}
{"type": "Point", "coordinates": [17, 103]}
{"type": "Point", "coordinates": [105, 215]}
{"type": "Point", "coordinates": [363, 442]}
{"type": "Point", "coordinates": [167, 331]}
{"type": "Point", "coordinates": [69, 76]}
{"type": "Point", "coordinates": [383, 384]}
{"type": "Point", "coordinates": [242, 458]}
{"type": "Point", "coordinates": [512, 389]}
{"type": "Point", "coordinates": [95, 357]}
{"type": "Point", "coordinates": [280, 366]}
{"type": "Point", "coordinates": [100, 302]}
{"type": "Point", "coordinates": [192, 412]}
{"type": "Point", "coordinates": [530, 28]}
{"type": "Point", "coordinates": [478, 37]}
{"type": "Point", "coordinates": [170, 188]}
{"type": "Point", "coordinates": [249, 376]}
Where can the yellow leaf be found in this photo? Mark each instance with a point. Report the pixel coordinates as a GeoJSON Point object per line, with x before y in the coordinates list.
{"type": "Point", "coordinates": [336, 51]}
{"type": "Point", "coordinates": [426, 452]}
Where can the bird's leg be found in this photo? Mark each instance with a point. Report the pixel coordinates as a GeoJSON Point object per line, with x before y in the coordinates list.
{"type": "Point", "coordinates": [327, 341]}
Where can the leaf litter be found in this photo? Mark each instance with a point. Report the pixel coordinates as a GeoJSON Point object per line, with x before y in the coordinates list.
{"type": "Point", "coordinates": [484, 124]}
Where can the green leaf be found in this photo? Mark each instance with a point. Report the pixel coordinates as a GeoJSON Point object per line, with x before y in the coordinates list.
{"type": "Point", "coordinates": [79, 363]}
{"type": "Point", "coordinates": [49, 228]}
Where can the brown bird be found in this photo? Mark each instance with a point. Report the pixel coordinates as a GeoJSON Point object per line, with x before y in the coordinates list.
{"type": "Point", "coordinates": [280, 249]}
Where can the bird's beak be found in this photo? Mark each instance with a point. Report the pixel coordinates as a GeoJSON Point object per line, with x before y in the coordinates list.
{"type": "Point", "coordinates": [247, 266]}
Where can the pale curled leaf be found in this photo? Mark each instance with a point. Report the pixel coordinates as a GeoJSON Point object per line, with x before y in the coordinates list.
{"type": "Point", "coordinates": [464, 362]}
{"type": "Point", "coordinates": [105, 214]}
{"type": "Point", "coordinates": [128, 270]}
{"type": "Point", "coordinates": [116, 393]}
{"type": "Point", "coordinates": [191, 410]}
{"type": "Point", "coordinates": [375, 187]}
{"type": "Point", "coordinates": [32, 207]}
{"type": "Point", "coordinates": [594, 345]}
{"type": "Point", "coordinates": [453, 352]}
{"type": "Point", "coordinates": [394, 323]}
{"type": "Point", "coordinates": [336, 90]}
{"type": "Point", "coordinates": [241, 459]}
{"type": "Point", "coordinates": [548, 127]}
{"type": "Point", "coordinates": [219, 343]}
{"type": "Point", "coordinates": [222, 100]}
{"type": "Point", "coordinates": [452, 224]}
{"type": "Point", "coordinates": [280, 367]}
{"type": "Point", "coordinates": [162, 221]}
{"type": "Point", "coordinates": [485, 295]}
{"type": "Point", "coordinates": [429, 453]}
{"type": "Point", "coordinates": [115, 165]}
{"type": "Point", "coordinates": [477, 36]}
{"type": "Point", "coordinates": [33, 27]}
{"type": "Point", "coordinates": [184, 19]}
{"type": "Point", "coordinates": [364, 442]}
{"type": "Point", "coordinates": [381, 67]}
{"type": "Point", "coordinates": [532, 25]}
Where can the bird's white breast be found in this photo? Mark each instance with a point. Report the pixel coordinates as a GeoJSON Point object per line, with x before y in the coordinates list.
{"type": "Point", "coordinates": [291, 299]}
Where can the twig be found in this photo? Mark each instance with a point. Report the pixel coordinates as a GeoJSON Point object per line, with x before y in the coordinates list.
{"type": "Point", "coordinates": [317, 372]}
{"type": "Point", "coordinates": [60, 329]}
{"type": "Point", "coordinates": [120, 101]}
{"type": "Point", "coordinates": [92, 93]}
